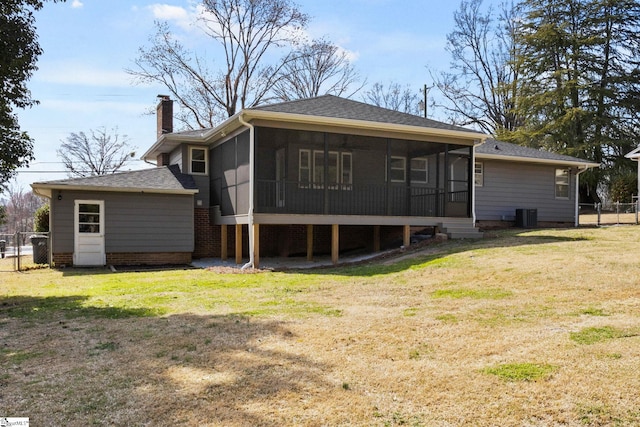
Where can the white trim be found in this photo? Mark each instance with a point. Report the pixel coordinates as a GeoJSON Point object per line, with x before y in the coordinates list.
{"type": "Point", "coordinates": [95, 240]}
{"type": "Point", "coordinates": [425, 170]}
{"type": "Point", "coordinates": [252, 186]}
{"type": "Point", "coordinates": [343, 156]}
{"type": "Point", "coordinates": [205, 161]}
{"type": "Point", "coordinates": [481, 174]}
{"type": "Point", "coordinates": [537, 160]}
{"type": "Point", "coordinates": [308, 168]}
{"type": "Point", "coordinates": [172, 140]}
{"type": "Point", "coordinates": [633, 155]}
{"type": "Point", "coordinates": [38, 187]}
{"type": "Point", "coordinates": [568, 184]}
{"type": "Point", "coordinates": [577, 200]}
{"type": "Point", "coordinates": [391, 168]}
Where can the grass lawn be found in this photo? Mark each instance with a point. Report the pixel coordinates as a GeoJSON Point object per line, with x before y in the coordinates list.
{"type": "Point", "coordinates": [523, 328]}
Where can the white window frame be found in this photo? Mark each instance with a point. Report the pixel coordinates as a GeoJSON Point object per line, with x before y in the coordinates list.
{"type": "Point", "coordinates": [317, 177]}
{"type": "Point", "coordinates": [562, 180]}
{"type": "Point", "coordinates": [302, 170]}
{"type": "Point", "coordinates": [205, 161]}
{"type": "Point", "coordinates": [403, 169]}
{"type": "Point", "coordinates": [346, 172]}
{"type": "Point", "coordinates": [93, 220]}
{"type": "Point", "coordinates": [424, 170]}
{"type": "Point", "coordinates": [478, 174]}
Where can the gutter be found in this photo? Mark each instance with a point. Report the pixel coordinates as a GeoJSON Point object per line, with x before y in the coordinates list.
{"type": "Point", "coordinates": [483, 156]}
{"type": "Point", "coordinates": [37, 187]}
{"type": "Point", "coordinates": [250, 264]}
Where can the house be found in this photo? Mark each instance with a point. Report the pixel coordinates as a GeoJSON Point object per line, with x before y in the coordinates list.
{"type": "Point", "coordinates": [511, 177]}
{"type": "Point", "coordinates": [324, 175]}
{"type": "Point", "coordinates": [320, 175]}
{"type": "Point", "coordinates": [635, 156]}
{"type": "Point", "coordinates": [139, 217]}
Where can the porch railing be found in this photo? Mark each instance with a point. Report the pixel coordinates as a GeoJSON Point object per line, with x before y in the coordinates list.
{"type": "Point", "coordinates": [389, 200]}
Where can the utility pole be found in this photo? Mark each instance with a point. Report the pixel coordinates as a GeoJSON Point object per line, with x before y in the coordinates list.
{"type": "Point", "coordinates": [423, 104]}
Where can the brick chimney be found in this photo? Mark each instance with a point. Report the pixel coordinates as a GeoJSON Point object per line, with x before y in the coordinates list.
{"type": "Point", "coordinates": [162, 159]}
{"type": "Point", "coordinates": [164, 112]}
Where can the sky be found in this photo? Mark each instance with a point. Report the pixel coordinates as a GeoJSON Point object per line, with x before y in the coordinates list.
{"type": "Point", "coordinates": [82, 84]}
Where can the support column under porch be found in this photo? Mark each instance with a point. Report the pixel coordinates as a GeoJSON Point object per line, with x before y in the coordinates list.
{"type": "Point", "coordinates": [310, 236]}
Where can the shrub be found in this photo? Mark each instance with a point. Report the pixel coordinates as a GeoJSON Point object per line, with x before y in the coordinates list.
{"type": "Point", "coordinates": [41, 219]}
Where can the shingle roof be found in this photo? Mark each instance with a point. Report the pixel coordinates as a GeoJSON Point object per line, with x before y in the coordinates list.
{"type": "Point", "coordinates": [165, 178]}
{"type": "Point", "coordinates": [335, 107]}
{"type": "Point", "coordinates": [493, 147]}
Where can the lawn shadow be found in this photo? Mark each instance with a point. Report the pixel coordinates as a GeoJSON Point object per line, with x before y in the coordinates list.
{"type": "Point", "coordinates": [83, 271]}
{"type": "Point", "coordinates": [175, 370]}
{"type": "Point", "coordinates": [401, 260]}
{"type": "Point", "coordinates": [68, 307]}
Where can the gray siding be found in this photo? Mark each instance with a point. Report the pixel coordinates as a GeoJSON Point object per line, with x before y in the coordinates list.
{"type": "Point", "coordinates": [516, 185]}
{"type": "Point", "coordinates": [180, 157]}
{"type": "Point", "coordinates": [134, 222]}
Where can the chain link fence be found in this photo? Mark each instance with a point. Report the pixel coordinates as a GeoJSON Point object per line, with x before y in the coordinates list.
{"type": "Point", "coordinates": [24, 250]}
{"type": "Point", "coordinates": [613, 214]}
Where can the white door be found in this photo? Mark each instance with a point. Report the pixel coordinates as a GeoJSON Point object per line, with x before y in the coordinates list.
{"type": "Point", "coordinates": [89, 233]}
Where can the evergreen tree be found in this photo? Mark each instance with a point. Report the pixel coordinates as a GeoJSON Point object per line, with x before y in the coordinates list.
{"type": "Point", "coordinates": [581, 81]}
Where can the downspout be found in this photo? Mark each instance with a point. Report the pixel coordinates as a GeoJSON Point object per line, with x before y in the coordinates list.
{"type": "Point", "coordinates": [577, 213]}
{"type": "Point", "coordinates": [472, 178]}
{"type": "Point", "coordinates": [251, 189]}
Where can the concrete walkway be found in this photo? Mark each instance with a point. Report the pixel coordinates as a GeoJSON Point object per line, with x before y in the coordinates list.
{"type": "Point", "coordinates": [290, 263]}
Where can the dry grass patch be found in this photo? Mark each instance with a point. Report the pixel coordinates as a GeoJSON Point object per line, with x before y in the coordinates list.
{"type": "Point", "coordinates": [477, 333]}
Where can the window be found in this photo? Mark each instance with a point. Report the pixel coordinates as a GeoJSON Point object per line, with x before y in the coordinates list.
{"type": "Point", "coordinates": [318, 169]}
{"type": "Point", "coordinates": [479, 174]}
{"type": "Point", "coordinates": [198, 160]}
{"type": "Point", "coordinates": [304, 168]}
{"type": "Point", "coordinates": [398, 169]}
{"type": "Point", "coordinates": [347, 177]}
{"type": "Point", "coordinates": [562, 183]}
{"type": "Point", "coordinates": [311, 169]}
{"type": "Point", "coordinates": [88, 218]}
{"type": "Point", "coordinates": [419, 170]}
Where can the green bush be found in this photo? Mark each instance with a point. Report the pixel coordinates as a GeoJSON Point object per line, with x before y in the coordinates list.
{"type": "Point", "coordinates": [41, 219]}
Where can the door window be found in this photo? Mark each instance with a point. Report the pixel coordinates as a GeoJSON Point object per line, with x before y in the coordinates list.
{"type": "Point", "coordinates": [89, 218]}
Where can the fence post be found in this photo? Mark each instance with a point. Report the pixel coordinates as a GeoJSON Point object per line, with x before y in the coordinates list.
{"type": "Point", "coordinates": [16, 245]}
{"type": "Point", "coordinates": [598, 208]}
{"type": "Point", "coordinates": [636, 209]}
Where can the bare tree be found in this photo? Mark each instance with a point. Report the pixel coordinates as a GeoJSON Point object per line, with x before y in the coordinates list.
{"type": "Point", "coordinates": [20, 209]}
{"type": "Point", "coordinates": [247, 33]}
{"type": "Point", "coordinates": [482, 88]}
{"type": "Point", "coordinates": [393, 97]}
{"type": "Point", "coordinates": [98, 153]}
{"type": "Point", "coordinates": [315, 69]}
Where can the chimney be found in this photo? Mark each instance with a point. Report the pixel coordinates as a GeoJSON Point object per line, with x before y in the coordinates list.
{"type": "Point", "coordinates": [162, 159]}
{"type": "Point", "coordinates": [164, 113]}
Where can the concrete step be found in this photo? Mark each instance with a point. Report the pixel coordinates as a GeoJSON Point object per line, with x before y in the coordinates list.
{"type": "Point", "coordinates": [461, 231]}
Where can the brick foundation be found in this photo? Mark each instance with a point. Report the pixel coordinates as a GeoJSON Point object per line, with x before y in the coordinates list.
{"type": "Point", "coordinates": [148, 258]}
{"type": "Point", "coordinates": [62, 259]}
{"type": "Point", "coordinates": [133, 258]}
